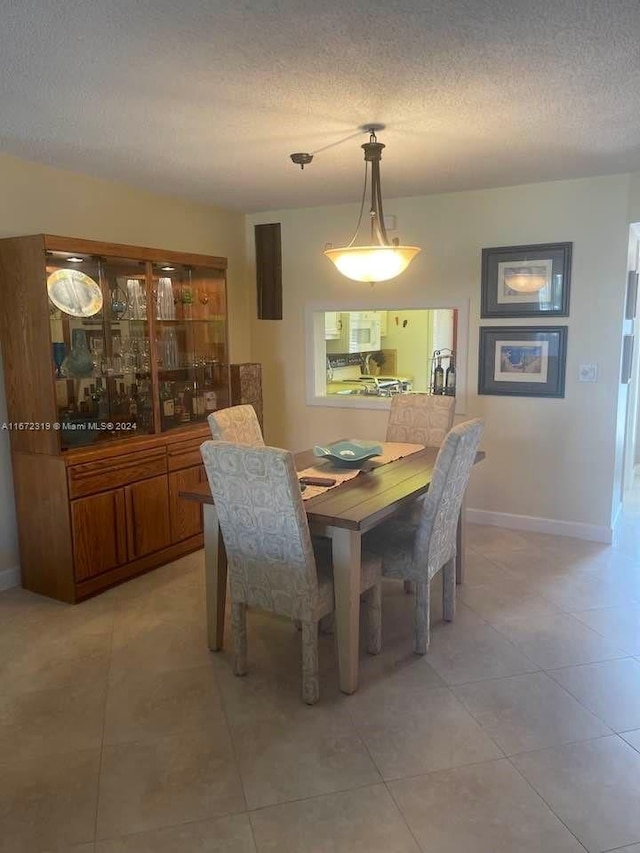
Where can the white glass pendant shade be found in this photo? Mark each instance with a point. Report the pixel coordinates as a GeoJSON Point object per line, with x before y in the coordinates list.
{"type": "Point", "coordinates": [380, 259]}
{"type": "Point", "coordinates": [372, 263]}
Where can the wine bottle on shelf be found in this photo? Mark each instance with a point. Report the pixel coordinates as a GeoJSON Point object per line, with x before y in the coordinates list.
{"type": "Point", "coordinates": [95, 400]}
{"type": "Point", "coordinates": [438, 377]}
{"type": "Point", "coordinates": [133, 404]}
{"type": "Point", "coordinates": [167, 406]}
{"type": "Point", "coordinates": [210, 397]}
{"type": "Point", "coordinates": [450, 378]}
{"type": "Point", "coordinates": [197, 400]}
{"type": "Point", "coordinates": [121, 406]}
{"type": "Point", "coordinates": [186, 394]}
{"type": "Point", "coordinates": [103, 401]}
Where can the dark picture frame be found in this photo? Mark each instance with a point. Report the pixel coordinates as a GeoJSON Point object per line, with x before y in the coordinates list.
{"type": "Point", "coordinates": [549, 262]}
{"type": "Point", "coordinates": [632, 296]}
{"type": "Point", "coordinates": [522, 361]}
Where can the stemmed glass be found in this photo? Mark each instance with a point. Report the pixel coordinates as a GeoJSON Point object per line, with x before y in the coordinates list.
{"type": "Point", "coordinates": [145, 355]}
{"type": "Point", "coordinates": [97, 350]}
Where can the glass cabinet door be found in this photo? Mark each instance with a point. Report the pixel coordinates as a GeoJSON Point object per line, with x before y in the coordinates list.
{"type": "Point", "coordinates": [191, 346]}
{"type": "Point", "coordinates": [100, 347]}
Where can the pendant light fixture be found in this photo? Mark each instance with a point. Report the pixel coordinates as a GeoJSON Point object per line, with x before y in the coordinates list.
{"type": "Point", "coordinates": [382, 259]}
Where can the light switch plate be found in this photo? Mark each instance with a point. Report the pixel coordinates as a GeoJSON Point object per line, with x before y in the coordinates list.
{"type": "Point", "coordinates": [588, 373]}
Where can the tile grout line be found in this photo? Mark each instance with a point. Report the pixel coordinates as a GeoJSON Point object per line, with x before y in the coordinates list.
{"type": "Point", "coordinates": [234, 754]}
{"type": "Point", "coordinates": [104, 723]}
{"type": "Point", "coordinates": [538, 794]}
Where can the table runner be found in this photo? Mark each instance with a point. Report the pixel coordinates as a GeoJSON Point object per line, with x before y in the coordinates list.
{"type": "Point", "coordinates": [391, 451]}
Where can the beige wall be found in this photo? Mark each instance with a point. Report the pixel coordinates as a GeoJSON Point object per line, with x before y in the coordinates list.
{"type": "Point", "coordinates": [38, 199]}
{"type": "Point", "coordinates": [546, 458]}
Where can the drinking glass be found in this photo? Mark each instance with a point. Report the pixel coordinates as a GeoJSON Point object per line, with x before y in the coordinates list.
{"type": "Point", "coordinates": [115, 362]}
{"type": "Point", "coordinates": [144, 355]}
{"type": "Point", "coordinates": [97, 351]}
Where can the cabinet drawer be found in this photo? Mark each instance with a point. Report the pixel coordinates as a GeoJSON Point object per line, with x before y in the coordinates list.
{"type": "Point", "coordinates": [115, 471]}
{"type": "Point", "coordinates": [185, 454]}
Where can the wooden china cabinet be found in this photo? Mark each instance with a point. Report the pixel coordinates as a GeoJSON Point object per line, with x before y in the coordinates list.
{"type": "Point", "coordinates": [113, 357]}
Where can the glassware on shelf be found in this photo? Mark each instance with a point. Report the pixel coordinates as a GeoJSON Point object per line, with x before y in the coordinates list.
{"type": "Point", "coordinates": [144, 355]}
{"type": "Point", "coordinates": [136, 299]}
{"type": "Point", "coordinates": [128, 355]}
{"type": "Point", "coordinates": [115, 363]}
{"type": "Point", "coordinates": [168, 351]}
{"type": "Point", "coordinates": [97, 351]}
{"type": "Point", "coordinates": [79, 362]}
{"type": "Point", "coordinates": [166, 304]}
{"type": "Point", "coordinates": [59, 355]}
{"type": "Point", "coordinates": [119, 304]}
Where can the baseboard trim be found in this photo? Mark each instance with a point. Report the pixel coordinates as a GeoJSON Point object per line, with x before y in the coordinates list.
{"type": "Point", "coordinates": [532, 524]}
{"type": "Point", "coordinates": [9, 577]}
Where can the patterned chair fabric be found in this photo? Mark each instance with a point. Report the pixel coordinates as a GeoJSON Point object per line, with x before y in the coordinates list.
{"type": "Point", "coordinates": [416, 549]}
{"type": "Point", "coordinates": [271, 559]}
{"type": "Point", "coordinates": [420, 418]}
{"type": "Point", "coordinates": [238, 424]}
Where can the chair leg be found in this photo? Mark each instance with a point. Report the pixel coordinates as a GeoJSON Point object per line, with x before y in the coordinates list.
{"type": "Point", "coordinates": [310, 680]}
{"type": "Point", "coordinates": [409, 587]}
{"type": "Point", "coordinates": [449, 591]}
{"type": "Point", "coordinates": [374, 619]}
{"type": "Point", "coordinates": [421, 628]}
{"type": "Point", "coordinates": [239, 630]}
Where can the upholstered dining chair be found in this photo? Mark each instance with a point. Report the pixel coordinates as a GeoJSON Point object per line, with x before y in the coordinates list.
{"type": "Point", "coordinates": [416, 550]}
{"type": "Point", "coordinates": [271, 560]}
{"type": "Point", "coordinates": [420, 418]}
{"type": "Point", "coordinates": [238, 424]}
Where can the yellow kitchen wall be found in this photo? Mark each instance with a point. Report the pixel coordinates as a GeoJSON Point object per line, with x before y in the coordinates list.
{"type": "Point", "coordinates": [39, 199]}
{"type": "Point", "coordinates": [410, 333]}
{"type": "Point", "coordinates": [550, 462]}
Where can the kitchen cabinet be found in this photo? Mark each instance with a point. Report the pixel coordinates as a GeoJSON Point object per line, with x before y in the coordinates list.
{"type": "Point", "coordinates": [98, 525]}
{"type": "Point", "coordinates": [332, 325]}
{"type": "Point", "coordinates": [148, 525]}
{"type": "Point", "coordinates": [113, 358]}
{"type": "Point", "coordinates": [382, 321]}
{"type": "Point", "coordinates": [359, 331]}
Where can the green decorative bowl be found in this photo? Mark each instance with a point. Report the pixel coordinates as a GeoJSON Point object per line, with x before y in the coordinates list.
{"type": "Point", "coordinates": [348, 454]}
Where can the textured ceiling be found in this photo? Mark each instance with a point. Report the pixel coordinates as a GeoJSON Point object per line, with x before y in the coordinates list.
{"type": "Point", "coordinates": [207, 98]}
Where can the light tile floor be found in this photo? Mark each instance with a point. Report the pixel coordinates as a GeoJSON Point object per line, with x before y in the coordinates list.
{"type": "Point", "coordinates": [519, 732]}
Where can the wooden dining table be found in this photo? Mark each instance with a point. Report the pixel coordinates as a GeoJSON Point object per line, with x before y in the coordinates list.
{"type": "Point", "coordinates": [343, 514]}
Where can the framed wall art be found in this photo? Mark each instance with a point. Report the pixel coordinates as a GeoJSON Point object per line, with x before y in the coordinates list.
{"type": "Point", "coordinates": [526, 281]}
{"type": "Point", "coordinates": [522, 361]}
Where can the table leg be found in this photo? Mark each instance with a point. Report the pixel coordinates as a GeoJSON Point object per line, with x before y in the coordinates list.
{"type": "Point", "coordinates": [461, 541]}
{"type": "Point", "coordinates": [215, 573]}
{"type": "Point", "coordinates": [346, 580]}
